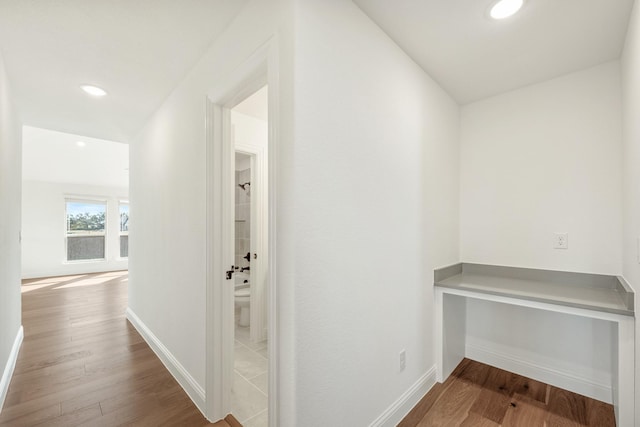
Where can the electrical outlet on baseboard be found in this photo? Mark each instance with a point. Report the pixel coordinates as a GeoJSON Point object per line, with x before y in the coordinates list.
{"type": "Point", "coordinates": [403, 360]}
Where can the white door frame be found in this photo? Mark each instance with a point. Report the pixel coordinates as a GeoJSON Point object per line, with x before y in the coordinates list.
{"type": "Point", "coordinates": [259, 69]}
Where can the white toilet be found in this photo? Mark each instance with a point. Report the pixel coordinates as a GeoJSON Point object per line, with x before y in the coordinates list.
{"type": "Point", "coordinates": [243, 297]}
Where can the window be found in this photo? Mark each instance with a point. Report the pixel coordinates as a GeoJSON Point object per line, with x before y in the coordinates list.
{"type": "Point", "coordinates": [86, 220]}
{"type": "Point", "coordinates": [124, 229]}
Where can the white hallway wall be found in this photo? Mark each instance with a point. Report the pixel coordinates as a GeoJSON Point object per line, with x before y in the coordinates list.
{"type": "Point", "coordinates": [167, 189]}
{"type": "Point", "coordinates": [631, 170]}
{"type": "Point", "coordinates": [10, 178]}
{"type": "Point", "coordinates": [542, 159]}
{"type": "Point", "coordinates": [367, 206]}
{"type": "Point", "coordinates": [43, 225]}
{"type": "Point", "coordinates": [538, 160]}
{"type": "Point", "coordinates": [376, 172]}
{"type": "Point", "coordinates": [347, 192]}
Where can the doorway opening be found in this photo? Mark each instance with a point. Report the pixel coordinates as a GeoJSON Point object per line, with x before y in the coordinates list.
{"type": "Point", "coordinates": [75, 198]}
{"type": "Point", "coordinates": [242, 315]}
{"type": "Point", "coordinates": [249, 133]}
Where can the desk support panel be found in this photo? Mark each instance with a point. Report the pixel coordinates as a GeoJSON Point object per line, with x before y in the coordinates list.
{"type": "Point", "coordinates": [450, 310]}
{"type": "Point", "coordinates": [453, 331]}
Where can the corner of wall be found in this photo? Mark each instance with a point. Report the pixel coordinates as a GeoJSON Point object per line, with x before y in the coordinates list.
{"type": "Point", "coordinates": [630, 70]}
{"type": "Point", "coordinates": [407, 401]}
{"type": "Point", "coordinates": [187, 382]}
{"type": "Point", "coordinates": [10, 212]}
{"type": "Point", "coordinates": [7, 373]}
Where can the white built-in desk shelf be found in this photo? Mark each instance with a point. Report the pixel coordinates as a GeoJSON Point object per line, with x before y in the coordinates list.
{"type": "Point", "coordinates": [603, 297]}
{"type": "Point", "coordinates": [610, 294]}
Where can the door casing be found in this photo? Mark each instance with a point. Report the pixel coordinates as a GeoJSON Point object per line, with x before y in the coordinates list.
{"type": "Point", "coordinates": [260, 69]}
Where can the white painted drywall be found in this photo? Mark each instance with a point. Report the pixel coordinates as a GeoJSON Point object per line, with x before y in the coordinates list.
{"type": "Point", "coordinates": [360, 227]}
{"type": "Point", "coordinates": [167, 288]}
{"type": "Point", "coordinates": [43, 228]}
{"type": "Point", "coordinates": [538, 160]}
{"type": "Point", "coordinates": [544, 159]}
{"type": "Point", "coordinates": [376, 196]}
{"type": "Point", "coordinates": [10, 177]}
{"type": "Point", "coordinates": [249, 130]}
{"type": "Point", "coordinates": [567, 351]}
{"type": "Point", "coordinates": [630, 65]}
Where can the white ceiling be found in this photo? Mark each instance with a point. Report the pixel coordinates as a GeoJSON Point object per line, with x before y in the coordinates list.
{"type": "Point", "coordinates": [137, 51]}
{"type": "Point", "coordinates": [473, 57]}
{"type": "Point", "coordinates": [55, 157]}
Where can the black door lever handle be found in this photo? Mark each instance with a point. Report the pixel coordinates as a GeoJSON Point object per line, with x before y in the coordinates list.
{"type": "Point", "coordinates": [229, 273]}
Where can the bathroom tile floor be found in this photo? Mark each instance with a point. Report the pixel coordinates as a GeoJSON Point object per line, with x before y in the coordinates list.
{"type": "Point", "coordinates": [249, 396]}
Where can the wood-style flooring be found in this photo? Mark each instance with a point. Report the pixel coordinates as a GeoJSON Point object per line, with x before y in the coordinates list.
{"type": "Point", "coordinates": [83, 364]}
{"type": "Point", "coordinates": [478, 395]}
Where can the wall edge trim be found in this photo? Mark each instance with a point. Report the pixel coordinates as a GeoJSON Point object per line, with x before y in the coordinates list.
{"type": "Point", "coordinates": [549, 375]}
{"type": "Point", "coordinates": [10, 366]}
{"type": "Point", "coordinates": [195, 392]}
{"type": "Point", "coordinates": [405, 403]}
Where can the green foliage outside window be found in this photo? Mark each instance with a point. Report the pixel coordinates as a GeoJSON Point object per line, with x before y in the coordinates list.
{"type": "Point", "coordinates": [124, 218]}
{"type": "Point", "coordinates": [86, 222]}
{"type": "Point", "coordinates": [86, 217]}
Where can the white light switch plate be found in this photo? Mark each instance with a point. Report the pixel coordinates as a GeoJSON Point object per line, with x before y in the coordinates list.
{"type": "Point", "coordinates": [561, 240]}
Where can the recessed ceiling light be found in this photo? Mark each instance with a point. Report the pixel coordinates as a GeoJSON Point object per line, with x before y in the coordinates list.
{"type": "Point", "coordinates": [81, 143]}
{"type": "Point", "coordinates": [505, 8]}
{"type": "Point", "coordinates": [94, 90]}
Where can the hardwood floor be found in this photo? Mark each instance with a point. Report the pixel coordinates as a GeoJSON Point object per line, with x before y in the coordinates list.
{"type": "Point", "coordinates": [82, 363]}
{"type": "Point", "coordinates": [478, 395]}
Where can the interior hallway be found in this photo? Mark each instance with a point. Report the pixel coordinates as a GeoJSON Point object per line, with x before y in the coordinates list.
{"type": "Point", "coordinates": [83, 363]}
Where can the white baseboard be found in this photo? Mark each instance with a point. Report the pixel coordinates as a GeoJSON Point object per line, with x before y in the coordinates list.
{"type": "Point", "coordinates": [186, 381]}
{"type": "Point", "coordinates": [410, 398]}
{"type": "Point", "coordinates": [525, 366]}
{"type": "Point", "coordinates": [10, 366]}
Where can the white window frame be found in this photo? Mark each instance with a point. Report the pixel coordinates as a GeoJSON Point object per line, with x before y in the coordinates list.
{"type": "Point", "coordinates": [120, 232]}
{"type": "Point", "coordinates": [91, 200]}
